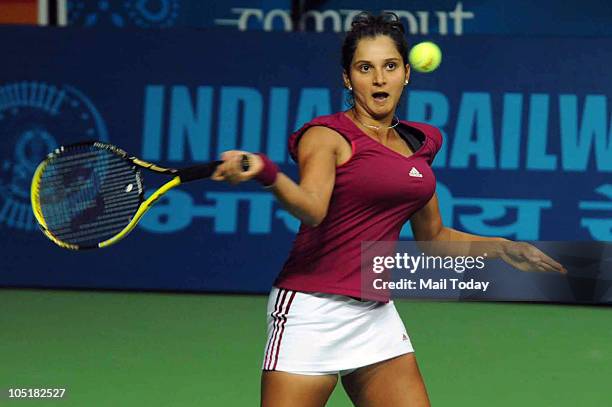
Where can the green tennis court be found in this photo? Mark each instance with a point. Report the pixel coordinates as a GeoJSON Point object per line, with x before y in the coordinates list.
{"type": "Point", "coordinates": [151, 349]}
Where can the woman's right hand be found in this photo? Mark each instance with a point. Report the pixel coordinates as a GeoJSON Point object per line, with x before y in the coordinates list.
{"type": "Point", "coordinates": [231, 169]}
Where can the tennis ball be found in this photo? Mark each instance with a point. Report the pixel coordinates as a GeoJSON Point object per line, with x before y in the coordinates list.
{"type": "Point", "coordinates": [425, 56]}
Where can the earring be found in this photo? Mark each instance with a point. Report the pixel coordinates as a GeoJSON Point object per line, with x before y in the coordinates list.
{"type": "Point", "coordinates": [350, 88]}
{"type": "Point", "coordinates": [405, 83]}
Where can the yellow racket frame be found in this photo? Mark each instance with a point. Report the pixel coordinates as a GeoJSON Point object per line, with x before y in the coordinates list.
{"type": "Point", "coordinates": [142, 209]}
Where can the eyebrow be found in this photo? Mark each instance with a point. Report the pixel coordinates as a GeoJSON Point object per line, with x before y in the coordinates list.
{"type": "Point", "coordinates": [369, 62]}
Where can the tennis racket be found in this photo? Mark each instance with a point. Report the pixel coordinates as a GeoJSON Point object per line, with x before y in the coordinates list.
{"type": "Point", "coordinates": [91, 195]}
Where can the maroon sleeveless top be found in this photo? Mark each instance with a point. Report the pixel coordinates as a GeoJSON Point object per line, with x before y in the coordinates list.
{"type": "Point", "coordinates": [376, 191]}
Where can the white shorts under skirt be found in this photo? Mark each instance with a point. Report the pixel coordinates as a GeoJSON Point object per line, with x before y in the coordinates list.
{"type": "Point", "coordinates": [316, 333]}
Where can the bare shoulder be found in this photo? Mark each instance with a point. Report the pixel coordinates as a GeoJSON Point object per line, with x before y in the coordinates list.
{"type": "Point", "coordinates": [322, 142]}
{"type": "Point", "coordinates": [321, 137]}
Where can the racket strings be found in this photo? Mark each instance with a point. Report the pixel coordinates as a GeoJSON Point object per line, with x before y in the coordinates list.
{"type": "Point", "coordinates": [88, 194]}
{"type": "Point", "coordinates": [58, 175]}
{"type": "Point", "coordinates": [97, 232]}
{"type": "Point", "coordinates": [115, 211]}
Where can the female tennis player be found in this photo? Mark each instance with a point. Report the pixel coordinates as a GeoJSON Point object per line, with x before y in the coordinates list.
{"type": "Point", "coordinates": [363, 174]}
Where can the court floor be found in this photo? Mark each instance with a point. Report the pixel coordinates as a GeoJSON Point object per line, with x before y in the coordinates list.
{"type": "Point", "coordinates": [152, 349]}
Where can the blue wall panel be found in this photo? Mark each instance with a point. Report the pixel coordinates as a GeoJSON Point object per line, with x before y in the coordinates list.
{"type": "Point", "coordinates": [527, 155]}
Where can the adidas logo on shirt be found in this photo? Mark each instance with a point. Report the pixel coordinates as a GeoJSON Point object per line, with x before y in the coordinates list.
{"type": "Point", "coordinates": [415, 173]}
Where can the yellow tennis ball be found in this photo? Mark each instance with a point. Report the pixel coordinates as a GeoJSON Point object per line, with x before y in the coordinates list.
{"type": "Point", "coordinates": [425, 56]}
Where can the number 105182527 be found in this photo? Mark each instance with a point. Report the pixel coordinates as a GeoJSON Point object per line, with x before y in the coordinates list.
{"type": "Point", "coordinates": [35, 393]}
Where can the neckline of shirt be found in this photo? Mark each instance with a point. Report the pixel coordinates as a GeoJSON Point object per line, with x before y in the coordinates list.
{"type": "Point", "coordinates": [402, 123]}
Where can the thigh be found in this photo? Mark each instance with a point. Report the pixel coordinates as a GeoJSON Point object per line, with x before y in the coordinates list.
{"type": "Point", "coordinates": [395, 382]}
{"type": "Point", "coordinates": [280, 389]}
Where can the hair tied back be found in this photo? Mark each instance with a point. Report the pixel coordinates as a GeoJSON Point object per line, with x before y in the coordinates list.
{"type": "Point", "coordinates": [367, 20]}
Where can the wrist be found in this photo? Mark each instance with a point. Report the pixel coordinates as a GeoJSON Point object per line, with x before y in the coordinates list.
{"type": "Point", "coordinates": [268, 173]}
{"type": "Point", "coordinates": [500, 246]}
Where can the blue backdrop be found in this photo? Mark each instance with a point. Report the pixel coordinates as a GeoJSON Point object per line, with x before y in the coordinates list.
{"type": "Point", "coordinates": [527, 153]}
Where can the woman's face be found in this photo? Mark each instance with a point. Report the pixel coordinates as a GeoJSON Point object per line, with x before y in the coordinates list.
{"type": "Point", "coordinates": [377, 76]}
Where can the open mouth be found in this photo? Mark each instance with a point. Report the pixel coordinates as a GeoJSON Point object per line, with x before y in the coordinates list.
{"type": "Point", "coordinates": [380, 96]}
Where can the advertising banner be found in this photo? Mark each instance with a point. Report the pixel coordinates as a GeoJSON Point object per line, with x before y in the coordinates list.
{"type": "Point", "coordinates": [527, 151]}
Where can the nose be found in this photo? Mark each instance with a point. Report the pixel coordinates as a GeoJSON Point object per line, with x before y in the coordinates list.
{"type": "Point", "coordinates": [379, 78]}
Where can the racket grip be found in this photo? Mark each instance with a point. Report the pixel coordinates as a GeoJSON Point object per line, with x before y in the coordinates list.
{"type": "Point", "coordinates": [206, 170]}
{"type": "Point", "coordinates": [188, 174]}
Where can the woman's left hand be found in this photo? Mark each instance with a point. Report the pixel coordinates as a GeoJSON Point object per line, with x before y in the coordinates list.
{"type": "Point", "coordinates": [526, 257]}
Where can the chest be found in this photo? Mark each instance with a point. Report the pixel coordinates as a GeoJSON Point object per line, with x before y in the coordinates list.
{"type": "Point", "coordinates": [377, 177]}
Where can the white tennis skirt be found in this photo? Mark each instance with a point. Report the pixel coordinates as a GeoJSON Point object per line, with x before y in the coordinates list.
{"type": "Point", "coordinates": [317, 333]}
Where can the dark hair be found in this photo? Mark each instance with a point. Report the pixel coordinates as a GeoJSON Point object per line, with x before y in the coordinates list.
{"type": "Point", "coordinates": [366, 25]}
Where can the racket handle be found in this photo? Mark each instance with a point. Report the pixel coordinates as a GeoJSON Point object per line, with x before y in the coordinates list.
{"type": "Point", "coordinates": [244, 161]}
{"type": "Point", "coordinates": [188, 174]}
{"type": "Point", "coordinates": [206, 170]}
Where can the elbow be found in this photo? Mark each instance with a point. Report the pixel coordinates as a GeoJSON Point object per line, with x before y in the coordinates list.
{"type": "Point", "coordinates": [314, 220]}
{"type": "Point", "coordinates": [313, 211]}
{"type": "Point", "coordinates": [430, 234]}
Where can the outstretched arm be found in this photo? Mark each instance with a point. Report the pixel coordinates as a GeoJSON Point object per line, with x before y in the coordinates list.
{"type": "Point", "coordinates": [427, 226]}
